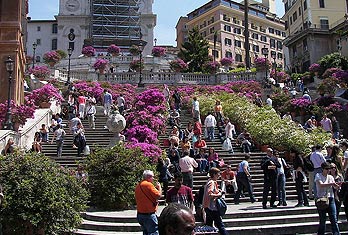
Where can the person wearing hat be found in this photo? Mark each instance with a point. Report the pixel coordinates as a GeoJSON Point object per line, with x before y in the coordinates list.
{"type": "Point", "coordinates": [325, 184]}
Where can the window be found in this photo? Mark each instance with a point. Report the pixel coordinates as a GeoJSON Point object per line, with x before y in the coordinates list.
{"type": "Point", "coordinates": [54, 44]}
{"type": "Point", "coordinates": [256, 48]}
{"type": "Point", "coordinates": [204, 34]}
{"type": "Point", "coordinates": [277, 32]}
{"type": "Point", "coordinates": [237, 43]}
{"type": "Point", "coordinates": [212, 30]}
{"type": "Point", "coordinates": [228, 41]}
{"type": "Point", "coordinates": [239, 58]}
{"type": "Point", "coordinates": [38, 41]}
{"type": "Point", "coordinates": [286, 25]}
{"type": "Point", "coordinates": [38, 28]}
{"type": "Point", "coordinates": [72, 45]}
{"type": "Point", "coordinates": [283, 34]}
{"type": "Point", "coordinates": [324, 23]}
{"type": "Point", "coordinates": [228, 54]}
{"type": "Point", "coordinates": [294, 16]}
{"type": "Point", "coordinates": [263, 38]}
{"type": "Point", "coordinates": [255, 36]}
{"type": "Point", "coordinates": [215, 53]}
{"type": "Point", "coordinates": [280, 56]}
{"type": "Point", "coordinates": [321, 3]}
{"type": "Point", "coordinates": [271, 30]}
{"type": "Point", "coordinates": [55, 28]}
{"type": "Point", "coordinates": [237, 30]}
{"type": "Point", "coordinates": [305, 5]}
{"type": "Point", "coordinates": [227, 28]}
{"type": "Point", "coordinates": [290, 20]}
{"type": "Point", "coordinates": [294, 51]}
{"type": "Point", "coordinates": [286, 6]}
{"type": "Point", "coordinates": [272, 43]}
{"type": "Point", "coordinates": [279, 45]}
{"type": "Point", "coordinates": [38, 59]}
{"type": "Point", "coordinates": [299, 11]}
{"type": "Point", "coordinates": [305, 45]}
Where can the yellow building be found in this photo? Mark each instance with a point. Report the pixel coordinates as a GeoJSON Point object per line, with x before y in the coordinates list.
{"type": "Point", "coordinates": [225, 18]}
{"type": "Point", "coordinates": [313, 30]}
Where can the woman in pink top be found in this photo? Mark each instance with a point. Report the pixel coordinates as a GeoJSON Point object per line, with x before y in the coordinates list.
{"type": "Point", "coordinates": [82, 104]}
{"type": "Point", "coordinates": [213, 158]}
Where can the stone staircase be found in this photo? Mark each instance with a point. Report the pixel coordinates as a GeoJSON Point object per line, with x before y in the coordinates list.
{"type": "Point", "coordinates": [242, 219]}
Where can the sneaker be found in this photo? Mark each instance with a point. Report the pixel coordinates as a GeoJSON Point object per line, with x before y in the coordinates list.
{"type": "Point", "coordinates": [299, 205]}
{"type": "Point", "coordinates": [253, 200]}
{"type": "Point", "coordinates": [264, 207]}
{"type": "Point", "coordinates": [274, 206]}
{"type": "Point", "coordinates": [307, 204]}
{"type": "Point", "coordinates": [279, 203]}
{"type": "Point", "coordinates": [285, 204]}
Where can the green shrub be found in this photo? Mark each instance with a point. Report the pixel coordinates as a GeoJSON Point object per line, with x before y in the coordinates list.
{"type": "Point", "coordinates": [39, 195]}
{"type": "Point", "coordinates": [113, 175]}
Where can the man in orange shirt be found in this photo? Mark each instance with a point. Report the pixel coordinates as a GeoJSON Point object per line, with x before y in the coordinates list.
{"type": "Point", "coordinates": [146, 197]}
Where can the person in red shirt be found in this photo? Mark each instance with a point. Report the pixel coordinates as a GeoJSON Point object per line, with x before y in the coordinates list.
{"type": "Point", "coordinates": [180, 193]}
{"type": "Point", "coordinates": [228, 177]}
{"type": "Point", "coordinates": [146, 197]}
{"type": "Point", "coordinates": [200, 143]}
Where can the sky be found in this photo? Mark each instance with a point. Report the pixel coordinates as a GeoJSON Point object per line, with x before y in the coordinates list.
{"type": "Point", "coordinates": [167, 11]}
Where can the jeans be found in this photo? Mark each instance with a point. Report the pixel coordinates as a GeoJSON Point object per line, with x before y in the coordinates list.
{"type": "Point", "coordinates": [82, 110]}
{"type": "Point", "coordinates": [107, 108]}
{"type": "Point", "coordinates": [281, 188]}
{"type": "Point", "coordinates": [311, 184]}
{"type": "Point", "coordinates": [187, 179]}
{"type": "Point", "coordinates": [210, 132]}
{"type": "Point", "coordinates": [202, 165]}
{"type": "Point", "coordinates": [214, 216]}
{"type": "Point", "coordinates": [269, 184]}
{"type": "Point", "coordinates": [243, 182]}
{"type": "Point", "coordinates": [91, 119]}
{"type": "Point", "coordinates": [59, 147]}
{"type": "Point", "coordinates": [148, 223]}
{"type": "Point", "coordinates": [301, 193]}
{"type": "Point", "coordinates": [333, 219]}
{"type": "Point", "coordinates": [336, 135]}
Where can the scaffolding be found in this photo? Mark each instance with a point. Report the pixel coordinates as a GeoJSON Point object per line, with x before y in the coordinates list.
{"type": "Point", "coordinates": [115, 22]}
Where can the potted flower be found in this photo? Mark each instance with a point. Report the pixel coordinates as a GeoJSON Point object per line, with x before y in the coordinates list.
{"type": "Point", "coordinates": [314, 68]}
{"type": "Point", "coordinates": [262, 63]}
{"type": "Point", "coordinates": [51, 58]}
{"type": "Point", "coordinates": [19, 113]}
{"type": "Point", "coordinates": [43, 96]}
{"type": "Point", "coordinates": [226, 61]}
{"type": "Point", "coordinates": [88, 51]}
{"type": "Point", "coordinates": [212, 66]}
{"type": "Point", "coordinates": [101, 64]}
{"type": "Point", "coordinates": [178, 65]}
{"type": "Point", "coordinates": [134, 50]}
{"type": "Point", "coordinates": [136, 64]}
{"type": "Point", "coordinates": [114, 50]}
{"type": "Point", "coordinates": [40, 72]}
{"type": "Point", "coordinates": [158, 51]}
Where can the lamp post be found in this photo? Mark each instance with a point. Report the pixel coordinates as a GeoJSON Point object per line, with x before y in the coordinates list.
{"type": "Point", "coordinates": [9, 63]}
{"type": "Point", "coordinates": [141, 46]}
{"type": "Point", "coordinates": [155, 40]}
{"type": "Point", "coordinates": [264, 52]}
{"type": "Point", "coordinates": [34, 49]}
{"type": "Point", "coordinates": [273, 55]}
{"type": "Point", "coordinates": [69, 59]}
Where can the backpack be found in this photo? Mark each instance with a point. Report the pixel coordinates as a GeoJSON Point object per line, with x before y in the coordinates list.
{"type": "Point", "coordinates": [308, 164]}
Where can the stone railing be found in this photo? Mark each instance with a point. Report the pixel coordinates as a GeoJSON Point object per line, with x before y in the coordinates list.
{"type": "Point", "coordinates": [161, 77]}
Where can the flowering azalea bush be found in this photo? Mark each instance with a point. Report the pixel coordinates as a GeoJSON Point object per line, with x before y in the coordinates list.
{"type": "Point", "coordinates": [134, 50]}
{"type": "Point", "coordinates": [20, 113]}
{"type": "Point", "coordinates": [141, 134]}
{"type": "Point", "coordinates": [100, 64]}
{"type": "Point", "coordinates": [279, 76]}
{"type": "Point", "coordinates": [144, 117]}
{"type": "Point", "coordinates": [335, 107]}
{"type": "Point", "coordinates": [314, 68]}
{"type": "Point", "coordinates": [226, 61]}
{"type": "Point", "coordinates": [262, 63]}
{"type": "Point", "coordinates": [113, 49]}
{"type": "Point", "coordinates": [329, 72]}
{"type": "Point", "coordinates": [151, 151]}
{"type": "Point", "coordinates": [136, 64]}
{"type": "Point", "coordinates": [40, 71]}
{"type": "Point", "coordinates": [212, 66]}
{"type": "Point", "coordinates": [44, 94]}
{"type": "Point", "coordinates": [178, 65]}
{"type": "Point", "coordinates": [342, 76]}
{"type": "Point", "coordinates": [88, 51]}
{"type": "Point", "coordinates": [51, 57]}
{"type": "Point", "coordinates": [158, 51]}
{"type": "Point", "coordinates": [300, 102]}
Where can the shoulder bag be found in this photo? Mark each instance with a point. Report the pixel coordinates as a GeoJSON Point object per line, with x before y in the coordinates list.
{"type": "Point", "coordinates": [322, 203]}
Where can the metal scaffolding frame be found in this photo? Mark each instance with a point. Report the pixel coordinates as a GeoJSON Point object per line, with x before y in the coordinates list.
{"type": "Point", "coordinates": [115, 22]}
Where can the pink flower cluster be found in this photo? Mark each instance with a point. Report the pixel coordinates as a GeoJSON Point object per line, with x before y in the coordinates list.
{"type": "Point", "coordinates": [150, 150]}
{"type": "Point", "coordinates": [300, 102]}
{"type": "Point", "coordinates": [226, 61]}
{"type": "Point", "coordinates": [113, 49]}
{"type": "Point", "coordinates": [51, 57]}
{"type": "Point", "coordinates": [135, 64]}
{"type": "Point", "coordinates": [314, 68]}
{"type": "Point", "coordinates": [100, 64]}
{"type": "Point", "coordinates": [335, 107]}
{"type": "Point", "coordinates": [279, 76]}
{"type": "Point", "coordinates": [212, 66]}
{"type": "Point", "coordinates": [88, 51]}
{"type": "Point", "coordinates": [40, 71]}
{"type": "Point", "coordinates": [20, 113]}
{"type": "Point", "coordinates": [44, 94]}
{"type": "Point", "coordinates": [158, 51]}
{"type": "Point", "coordinates": [178, 65]}
{"type": "Point", "coordinates": [262, 63]}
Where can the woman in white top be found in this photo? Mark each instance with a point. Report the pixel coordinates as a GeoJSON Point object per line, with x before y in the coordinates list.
{"type": "Point", "coordinates": [325, 184]}
{"type": "Point", "coordinates": [229, 129]}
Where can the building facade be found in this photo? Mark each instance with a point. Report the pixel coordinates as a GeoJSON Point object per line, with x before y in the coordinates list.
{"type": "Point", "coordinates": [13, 16]}
{"type": "Point", "coordinates": [225, 18]}
{"type": "Point", "coordinates": [99, 23]}
{"type": "Point", "coordinates": [314, 29]}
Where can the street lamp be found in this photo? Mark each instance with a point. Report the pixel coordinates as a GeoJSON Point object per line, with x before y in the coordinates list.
{"type": "Point", "coordinates": [141, 46]}
{"type": "Point", "coordinates": [34, 49]}
{"type": "Point", "coordinates": [69, 59]}
{"type": "Point", "coordinates": [264, 52]}
{"type": "Point", "coordinates": [155, 40]}
{"type": "Point", "coordinates": [274, 56]}
{"type": "Point", "coordinates": [9, 63]}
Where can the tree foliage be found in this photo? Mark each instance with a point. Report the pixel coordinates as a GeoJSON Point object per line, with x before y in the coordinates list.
{"type": "Point", "coordinates": [333, 60]}
{"type": "Point", "coordinates": [39, 195]}
{"type": "Point", "coordinates": [113, 175]}
{"type": "Point", "coordinates": [195, 51]}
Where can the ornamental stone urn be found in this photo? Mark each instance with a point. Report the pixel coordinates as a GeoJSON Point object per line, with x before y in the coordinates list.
{"type": "Point", "coordinates": [115, 124]}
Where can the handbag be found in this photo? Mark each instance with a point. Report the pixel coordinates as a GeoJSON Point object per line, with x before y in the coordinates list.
{"type": "Point", "coordinates": [227, 145]}
{"type": "Point", "coordinates": [86, 150]}
{"type": "Point", "coordinates": [221, 206]}
{"type": "Point", "coordinates": [322, 203]}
